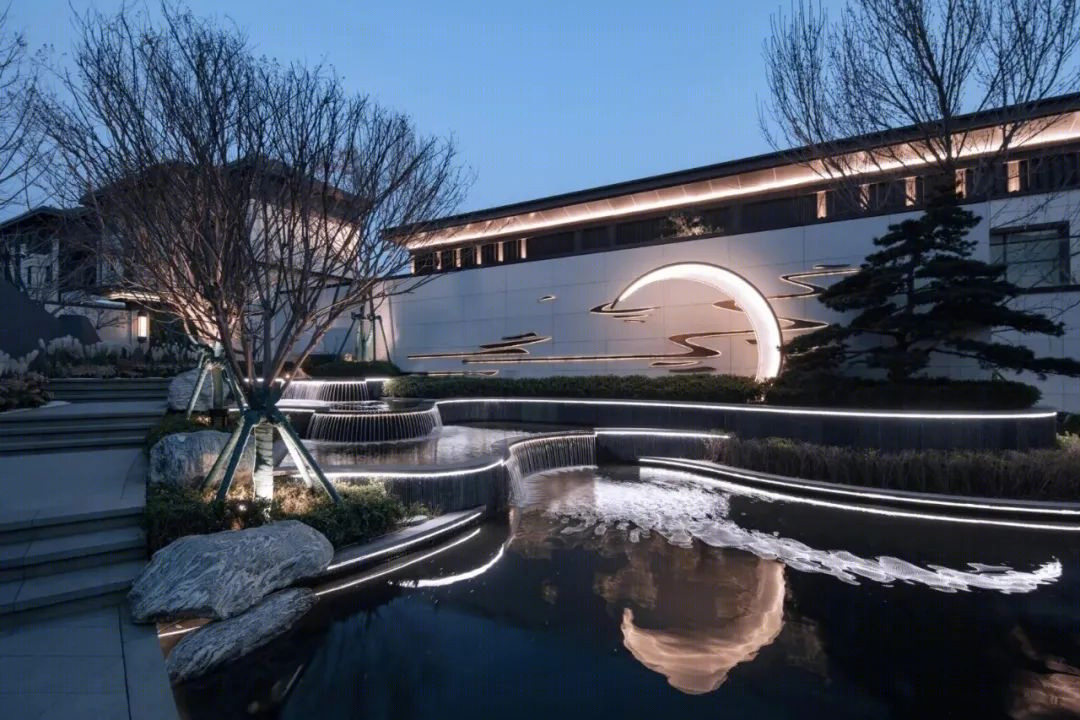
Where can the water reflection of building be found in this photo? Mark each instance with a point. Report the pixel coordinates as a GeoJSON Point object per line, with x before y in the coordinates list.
{"type": "Point", "coordinates": [690, 614]}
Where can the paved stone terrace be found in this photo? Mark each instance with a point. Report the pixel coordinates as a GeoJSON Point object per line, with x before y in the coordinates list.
{"type": "Point", "coordinates": [91, 664]}
{"type": "Point", "coordinates": [67, 661]}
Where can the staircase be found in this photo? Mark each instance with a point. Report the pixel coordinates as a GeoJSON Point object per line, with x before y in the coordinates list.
{"type": "Point", "coordinates": [111, 425]}
{"type": "Point", "coordinates": [66, 561]}
{"type": "Point", "coordinates": [94, 389]}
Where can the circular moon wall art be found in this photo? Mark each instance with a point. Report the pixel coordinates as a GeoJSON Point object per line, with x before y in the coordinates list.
{"type": "Point", "coordinates": [758, 311]}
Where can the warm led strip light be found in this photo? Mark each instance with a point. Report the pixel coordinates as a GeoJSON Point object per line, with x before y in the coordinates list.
{"type": "Point", "coordinates": [376, 473]}
{"type": "Point", "coordinates": [408, 543]}
{"type": "Point", "coordinates": [785, 497]}
{"type": "Point", "coordinates": [1066, 129]}
{"type": "Point", "coordinates": [664, 433]}
{"type": "Point", "coordinates": [870, 493]}
{"type": "Point", "coordinates": [393, 569]}
{"type": "Point", "coordinates": [757, 309]}
{"type": "Point", "coordinates": [460, 577]}
{"type": "Point", "coordinates": [765, 409]}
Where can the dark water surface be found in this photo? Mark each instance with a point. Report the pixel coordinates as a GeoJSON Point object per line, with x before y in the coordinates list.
{"type": "Point", "coordinates": [638, 593]}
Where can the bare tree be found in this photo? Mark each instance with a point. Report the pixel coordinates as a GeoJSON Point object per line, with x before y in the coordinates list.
{"type": "Point", "coordinates": [246, 197]}
{"type": "Point", "coordinates": [19, 140]}
{"type": "Point", "coordinates": [838, 88]}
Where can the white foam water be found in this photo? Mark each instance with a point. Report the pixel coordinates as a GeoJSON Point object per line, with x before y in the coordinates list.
{"type": "Point", "coordinates": [681, 510]}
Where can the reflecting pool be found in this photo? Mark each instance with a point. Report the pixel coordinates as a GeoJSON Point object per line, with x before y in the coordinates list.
{"type": "Point", "coordinates": [631, 592]}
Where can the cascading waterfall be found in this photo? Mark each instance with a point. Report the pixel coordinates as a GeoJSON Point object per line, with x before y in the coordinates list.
{"type": "Point", "coordinates": [331, 391]}
{"type": "Point", "coordinates": [546, 453]}
{"type": "Point", "coordinates": [380, 425]}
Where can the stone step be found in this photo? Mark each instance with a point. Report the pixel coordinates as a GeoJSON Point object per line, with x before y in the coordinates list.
{"type": "Point", "coordinates": [10, 445]}
{"type": "Point", "coordinates": [93, 390]}
{"type": "Point", "coordinates": [30, 424]}
{"type": "Point", "coordinates": [74, 586]}
{"type": "Point", "coordinates": [65, 522]}
{"type": "Point", "coordinates": [106, 396]}
{"type": "Point", "coordinates": [74, 427]}
{"type": "Point", "coordinates": [57, 554]}
{"type": "Point", "coordinates": [110, 383]}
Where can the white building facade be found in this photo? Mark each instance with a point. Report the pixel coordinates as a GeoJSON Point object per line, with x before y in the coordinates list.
{"type": "Point", "coordinates": [701, 271]}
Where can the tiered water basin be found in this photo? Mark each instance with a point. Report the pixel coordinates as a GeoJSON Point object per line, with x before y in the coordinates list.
{"type": "Point", "coordinates": [348, 411]}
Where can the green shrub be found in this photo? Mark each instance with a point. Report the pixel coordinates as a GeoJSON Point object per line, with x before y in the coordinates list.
{"type": "Point", "coordinates": [365, 512]}
{"type": "Point", "coordinates": [932, 393]}
{"type": "Point", "coordinates": [697, 387]}
{"type": "Point", "coordinates": [1069, 423]}
{"type": "Point", "coordinates": [1050, 474]}
{"type": "Point", "coordinates": [819, 391]}
{"type": "Point", "coordinates": [179, 423]}
{"type": "Point", "coordinates": [24, 390]}
{"type": "Point", "coordinates": [318, 367]}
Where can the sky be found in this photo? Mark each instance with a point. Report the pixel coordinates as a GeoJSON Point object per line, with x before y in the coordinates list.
{"type": "Point", "coordinates": [541, 96]}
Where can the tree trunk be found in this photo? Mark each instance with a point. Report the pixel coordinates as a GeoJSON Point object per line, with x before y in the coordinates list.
{"type": "Point", "coordinates": [263, 475]}
{"type": "Point", "coordinates": [218, 388]}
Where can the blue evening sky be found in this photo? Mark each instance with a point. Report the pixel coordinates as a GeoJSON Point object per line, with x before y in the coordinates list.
{"type": "Point", "coordinates": [542, 96]}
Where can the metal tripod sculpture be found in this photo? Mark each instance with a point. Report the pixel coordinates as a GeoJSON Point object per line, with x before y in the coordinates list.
{"type": "Point", "coordinates": [259, 417]}
{"type": "Point", "coordinates": [212, 365]}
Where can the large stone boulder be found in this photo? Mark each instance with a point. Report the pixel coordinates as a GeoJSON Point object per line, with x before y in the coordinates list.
{"type": "Point", "coordinates": [214, 644]}
{"type": "Point", "coordinates": [181, 387]}
{"type": "Point", "coordinates": [186, 458]}
{"type": "Point", "coordinates": [221, 575]}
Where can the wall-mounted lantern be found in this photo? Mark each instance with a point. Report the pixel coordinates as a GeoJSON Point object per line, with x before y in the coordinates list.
{"type": "Point", "coordinates": [142, 326]}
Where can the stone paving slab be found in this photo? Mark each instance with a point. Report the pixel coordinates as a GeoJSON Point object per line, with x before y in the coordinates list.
{"type": "Point", "coordinates": [53, 706]}
{"type": "Point", "coordinates": [86, 479]}
{"type": "Point", "coordinates": [94, 664]}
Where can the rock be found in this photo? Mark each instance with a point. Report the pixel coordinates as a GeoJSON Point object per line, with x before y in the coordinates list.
{"type": "Point", "coordinates": [186, 458]}
{"type": "Point", "coordinates": [182, 385]}
{"type": "Point", "coordinates": [221, 575]}
{"type": "Point", "coordinates": [416, 520]}
{"type": "Point", "coordinates": [214, 644]}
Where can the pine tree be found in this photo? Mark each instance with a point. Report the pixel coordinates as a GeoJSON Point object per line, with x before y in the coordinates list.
{"type": "Point", "coordinates": [923, 294]}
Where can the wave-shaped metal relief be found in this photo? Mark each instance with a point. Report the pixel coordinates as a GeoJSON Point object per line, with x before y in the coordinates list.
{"type": "Point", "coordinates": [514, 348]}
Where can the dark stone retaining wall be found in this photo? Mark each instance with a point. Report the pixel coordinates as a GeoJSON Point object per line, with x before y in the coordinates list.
{"type": "Point", "coordinates": [477, 486]}
{"type": "Point", "coordinates": [484, 481]}
{"type": "Point", "coordinates": [616, 447]}
{"type": "Point", "coordinates": [894, 431]}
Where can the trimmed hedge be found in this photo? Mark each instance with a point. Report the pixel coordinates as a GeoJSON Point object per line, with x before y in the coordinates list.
{"type": "Point", "coordinates": [1049, 474]}
{"type": "Point", "coordinates": [26, 390]}
{"type": "Point", "coordinates": [928, 394]}
{"type": "Point", "coordinates": [365, 512]}
{"type": "Point", "coordinates": [701, 388]}
{"type": "Point", "coordinates": [344, 369]}
{"type": "Point", "coordinates": [823, 391]}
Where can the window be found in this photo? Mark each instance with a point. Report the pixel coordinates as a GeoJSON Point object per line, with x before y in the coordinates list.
{"type": "Point", "coordinates": [511, 251]}
{"type": "Point", "coordinates": [595, 238]}
{"type": "Point", "coordinates": [550, 245]}
{"type": "Point", "coordinates": [424, 263]}
{"type": "Point", "coordinates": [1034, 257]}
{"type": "Point", "coordinates": [489, 254]}
{"type": "Point", "coordinates": [778, 213]}
{"type": "Point", "coordinates": [886, 196]}
{"type": "Point", "coordinates": [638, 232]}
{"type": "Point", "coordinates": [1049, 173]}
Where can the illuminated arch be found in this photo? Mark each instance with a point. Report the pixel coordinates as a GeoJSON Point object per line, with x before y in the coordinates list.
{"type": "Point", "coordinates": [762, 319]}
